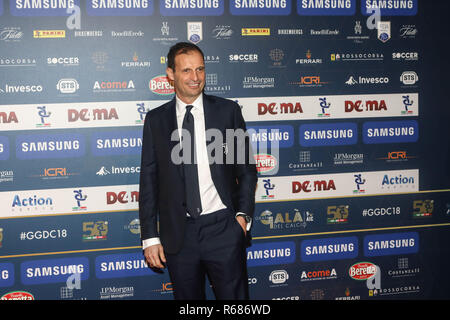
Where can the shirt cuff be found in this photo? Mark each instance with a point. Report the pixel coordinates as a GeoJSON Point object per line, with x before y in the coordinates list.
{"type": "Point", "coordinates": [150, 242]}
{"type": "Point", "coordinates": [249, 224]}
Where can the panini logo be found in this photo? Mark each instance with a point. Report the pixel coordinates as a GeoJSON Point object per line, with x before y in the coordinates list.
{"type": "Point", "coordinates": [121, 265]}
{"type": "Point", "coordinates": [120, 7]}
{"type": "Point", "coordinates": [191, 8]}
{"type": "Point", "coordinates": [271, 253]}
{"type": "Point", "coordinates": [256, 31]}
{"type": "Point", "coordinates": [390, 7]}
{"type": "Point", "coordinates": [329, 249]}
{"type": "Point", "coordinates": [326, 7]}
{"type": "Point", "coordinates": [54, 270]}
{"type": "Point", "coordinates": [49, 34]}
{"type": "Point", "coordinates": [261, 8]}
{"type": "Point", "coordinates": [43, 7]}
{"type": "Point", "coordinates": [390, 131]}
{"type": "Point", "coordinates": [391, 244]}
{"type": "Point", "coordinates": [46, 146]}
{"type": "Point", "coordinates": [330, 134]}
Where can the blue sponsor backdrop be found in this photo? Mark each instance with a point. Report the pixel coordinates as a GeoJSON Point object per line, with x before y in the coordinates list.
{"type": "Point", "coordinates": [78, 77]}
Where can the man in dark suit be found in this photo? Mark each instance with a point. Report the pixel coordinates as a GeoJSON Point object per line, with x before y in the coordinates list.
{"type": "Point", "coordinates": [205, 202]}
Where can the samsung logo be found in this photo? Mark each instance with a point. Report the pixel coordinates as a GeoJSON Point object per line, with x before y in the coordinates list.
{"type": "Point", "coordinates": [390, 131]}
{"type": "Point", "coordinates": [326, 7]}
{"type": "Point", "coordinates": [271, 136]}
{"type": "Point", "coordinates": [329, 249]}
{"type": "Point", "coordinates": [391, 244]}
{"type": "Point", "coordinates": [4, 148]}
{"type": "Point", "coordinates": [261, 7]}
{"type": "Point", "coordinates": [120, 7]}
{"type": "Point", "coordinates": [54, 270]}
{"type": "Point", "coordinates": [117, 143]}
{"type": "Point", "coordinates": [191, 7]}
{"type": "Point", "coordinates": [329, 134]}
{"type": "Point", "coordinates": [121, 265]}
{"type": "Point", "coordinates": [45, 146]}
{"type": "Point", "coordinates": [43, 7]}
{"type": "Point", "coordinates": [390, 7]}
{"type": "Point", "coordinates": [271, 253]}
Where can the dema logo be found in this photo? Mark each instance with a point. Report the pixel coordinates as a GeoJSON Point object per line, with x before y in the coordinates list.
{"type": "Point", "coordinates": [191, 8]}
{"type": "Point", "coordinates": [117, 143]}
{"type": "Point", "coordinates": [260, 8]}
{"type": "Point", "coordinates": [120, 8]}
{"type": "Point", "coordinates": [326, 7]}
{"type": "Point", "coordinates": [42, 7]}
{"type": "Point", "coordinates": [264, 254]}
{"type": "Point", "coordinates": [330, 134]}
{"type": "Point", "coordinates": [53, 270]}
{"type": "Point", "coordinates": [48, 146]}
{"type": "Point", "coordinates": [390, 131]}
{"type": "Point", "coordinates": [121, 265]}
{"type": "Point", "coordinates": [391, 244]}
{"type": "Point", "coordinates": [390, 7]}
{"type": "Point", "coordinates": [329, 249]}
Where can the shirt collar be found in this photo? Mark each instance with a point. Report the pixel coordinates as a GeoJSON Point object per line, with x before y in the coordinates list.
{"type": "Point", "coordinates": [198, 105]}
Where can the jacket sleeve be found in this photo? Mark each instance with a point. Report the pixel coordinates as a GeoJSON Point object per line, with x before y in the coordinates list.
{"type": "Point", "coordinates": [245, 168]}
{"type": "Point", "coordinates": [148, 185]}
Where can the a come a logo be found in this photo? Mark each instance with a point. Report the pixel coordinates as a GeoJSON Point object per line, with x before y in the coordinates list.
{"type": "Point", "coordinates": [362, 271]}
{"type": "Point", "coordinates": [265, 162]}
{"type": "Point", "coordinates": [161, 85]}
{"type": "Point", "coordinates": [17, 295]}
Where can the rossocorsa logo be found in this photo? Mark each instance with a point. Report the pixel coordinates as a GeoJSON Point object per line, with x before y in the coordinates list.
{"type": "Point", "coordinates": [329, 249]}
{"type": "Point", "coordinates": [326, 7]}
{"type": "Point", "coordinates": [121, 265]}
{"type": "Point", "coordinates": [261, 8]}
{"type": "Point", "coordinates": [47, 146]}
{"type": "Point", "coordinates": [42, 7]}
{"type": "Point", "coordinates": [191, 8]}
{"type": "Point", "coordinates": [329, 134]}
{"type": "Point", "coordinates": [53, 270]}
{"type": "Point", "coordinates": [120, 8]}
{"type": "Point", "coordinates": [263, 254]}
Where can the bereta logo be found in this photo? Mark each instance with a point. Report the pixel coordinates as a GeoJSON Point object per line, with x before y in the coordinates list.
{"type": "Point", "coordinates": [265, 162]}
{"type": "Point", "coordinates": [17, 295]}
{"type": "Point", "coordinates": [362, 271]}
{"type": "Point", "coordinates": [161, 85]}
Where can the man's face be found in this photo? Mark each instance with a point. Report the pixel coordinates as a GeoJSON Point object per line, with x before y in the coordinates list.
{"type": "Point", "coordinates": [189, 76]}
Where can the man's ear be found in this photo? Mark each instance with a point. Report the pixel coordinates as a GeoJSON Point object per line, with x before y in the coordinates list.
{"type": "Point", "coordinates": [170, 74]}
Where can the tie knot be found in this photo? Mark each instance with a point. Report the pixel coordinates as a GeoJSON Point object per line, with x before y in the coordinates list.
{"type": "Point", "coordinates": [189, 108]}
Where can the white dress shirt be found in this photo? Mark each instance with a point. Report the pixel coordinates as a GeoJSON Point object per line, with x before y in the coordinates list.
{"type": "Point", "coordinates": [209, 196]}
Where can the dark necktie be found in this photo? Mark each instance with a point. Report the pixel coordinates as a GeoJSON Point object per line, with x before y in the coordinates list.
{"type": "Point", "coordinates": [191, 186]}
